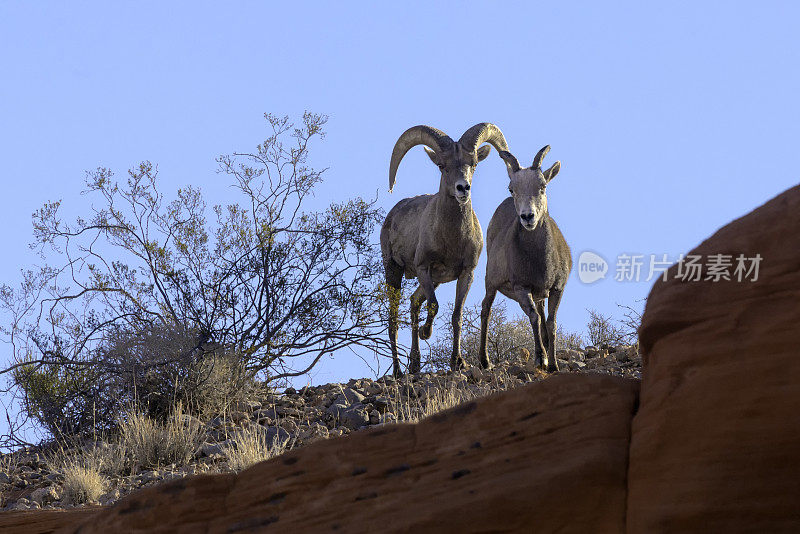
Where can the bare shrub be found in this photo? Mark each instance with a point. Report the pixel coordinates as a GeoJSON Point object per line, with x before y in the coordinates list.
{"type": "Point", "coordinates": [9, 466]}
{"type": "Point", "coordinates": [251, 446]}
{"type": "Point", "coordinates": [271, 281]}
{"type": "Point", "coordinates": [65, 401]}
{"type": "Point", "coordinates": [507, 338]}
{"type": "Point", "coordinates": [631, 321]}
{"type": "Point", "coordinates": [568, 340]}
{"type": "Point", "coordinates": [216, 383]}
{"type": "Point", "coordinates": [602, 330]}
{"type": "Point", "coordinates": [151, 443]}
{"type": "Point", "coordinates": [161, 367]}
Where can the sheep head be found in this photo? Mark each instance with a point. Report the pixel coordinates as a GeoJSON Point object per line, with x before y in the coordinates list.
{"type": "Point", "coordinates": [456, 160]}
{"type": "Point", "coordinates": [528, 187]}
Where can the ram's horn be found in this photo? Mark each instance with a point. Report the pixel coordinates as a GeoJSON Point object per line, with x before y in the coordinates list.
{"type": "Point", "coordinates": [485, 132]}
{"type": "Point", "coordinates": [434, 139]}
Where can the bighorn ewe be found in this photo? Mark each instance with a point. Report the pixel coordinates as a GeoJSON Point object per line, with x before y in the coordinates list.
{"type": "Point", "coordinates": [435, 238]}
{"type": "Point", "coordinates": [528, 258]}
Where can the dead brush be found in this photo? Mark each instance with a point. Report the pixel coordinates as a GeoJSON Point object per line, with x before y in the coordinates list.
{"type": "Point", "coordinates": [444, 393]}
{"type": "Point", "coordinates": [251, 446]}
{"type": "Point", "coordinates": [153, 444]}
{"type": "Point", "coordinates": [84, 481]}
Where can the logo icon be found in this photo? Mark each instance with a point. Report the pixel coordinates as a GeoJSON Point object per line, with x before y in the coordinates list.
{"type": "Point", "coordinates": [591, 267]}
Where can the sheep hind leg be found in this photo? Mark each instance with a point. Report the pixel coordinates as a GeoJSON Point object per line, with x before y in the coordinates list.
{"type": "Point", "coordinates": [394, 280]}
{"type": "Point", "coordinates": [414, 358]}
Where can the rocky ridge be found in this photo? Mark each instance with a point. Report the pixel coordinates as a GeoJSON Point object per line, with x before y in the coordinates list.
{"type": "Point", "coordinates": [297, 418]}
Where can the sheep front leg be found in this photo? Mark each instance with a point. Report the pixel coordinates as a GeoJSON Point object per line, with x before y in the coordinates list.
{"type": "Point", "coordinates": [552, 307]}
{"type": "Point", "coordinates": [462, 288]}
{"type": "Point", "coordinates": [525, 299]}
{"type": "Point", "coordinates": [486, 314]}
{"type": "Point", "coordinates": [427, 285]}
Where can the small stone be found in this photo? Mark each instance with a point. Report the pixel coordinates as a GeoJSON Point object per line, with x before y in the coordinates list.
{"type": "Point", "coordinates": [374, 417]}
{"type": "Point", "coordinates": [381, 403]}
{"type": "Point", "coordinates": [190, 421]}
{"type": "Point", "coordinates": [475, 374]}
{"type": "Point", "coordinates": [208, 449]}
{"type": "Point", "coordinates": [109, 497]}
{"type": "Point", "coordinates": [46, 495]}
{"type": "Point", "coordinates": [150, 476]}
{"type": "Point", "coordinates": [237, 416]}
{"type": "Point", "coordinates": [388, 417]}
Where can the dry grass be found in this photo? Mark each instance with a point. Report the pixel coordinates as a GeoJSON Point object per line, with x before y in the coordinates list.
{"type": "Point", "coordinates": [251, 446]}
{"type": "Point", "coordinates": [9, 464]}
{"type": "Point", "coordinates": [83, 482]}
{"type": "Point", "coordinates": [150, 443]}
{"type": "Point", "coordinates": [82, 470]}
{"type": "Point", "coordinates": [443, 396]}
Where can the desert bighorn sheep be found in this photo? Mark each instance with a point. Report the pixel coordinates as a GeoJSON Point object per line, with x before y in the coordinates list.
{"type": "Point", "coordinates": [528, 258]}
{"type": "Point", "coordinates": [435, 238]}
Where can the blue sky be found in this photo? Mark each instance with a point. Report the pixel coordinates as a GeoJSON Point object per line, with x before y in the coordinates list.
{"type": "Point", "coordinates": [670, 119]}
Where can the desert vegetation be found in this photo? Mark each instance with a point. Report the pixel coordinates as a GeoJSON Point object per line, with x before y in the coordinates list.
{"type": "Point", "coordinates": [161, 337]}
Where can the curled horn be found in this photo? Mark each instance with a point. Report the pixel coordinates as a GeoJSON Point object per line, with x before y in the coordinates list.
{"type": "Point", "coordinates": [511, 161]}
{"type": "Point", "coordinates": [484, 132]}
{"type": "Point", "coordinates": [537, 161]}
{"type": "Point", "coordinates": [434, 139]}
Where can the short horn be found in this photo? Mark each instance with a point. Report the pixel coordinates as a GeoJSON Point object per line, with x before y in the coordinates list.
{"type": "Point", "coordinates": [484, 132]}
{"type": "Point", "coordinates": [537, 161]}
{"type": "Point", "coordinates": [434, 139]}
{"type": "Point", "coordinates": [511, 161]}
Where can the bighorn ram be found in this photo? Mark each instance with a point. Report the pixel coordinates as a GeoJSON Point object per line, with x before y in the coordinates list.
{"type": "Point", "coordinates": [528, 258]}
{"type": "Point", "coordinates": [435, 238]}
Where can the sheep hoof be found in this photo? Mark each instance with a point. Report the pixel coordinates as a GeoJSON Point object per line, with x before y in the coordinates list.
{"type": "Point", "coordinates": [425, 331]}
{"type": "Point", "coordinates": [457, 363]}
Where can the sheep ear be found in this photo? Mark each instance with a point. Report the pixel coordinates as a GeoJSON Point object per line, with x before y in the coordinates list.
{"type": "Point", "coordinates": [483, 152]}
{"type": "Point", "coordinates": [511, 162]}
{"type": "Point", "coordinates": [431, 154]}
{"type": "Point", "coordinates": [550, 173]}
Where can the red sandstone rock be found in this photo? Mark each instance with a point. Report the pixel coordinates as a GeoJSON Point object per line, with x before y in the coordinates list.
{"type": "Point", "coordinates": [549, 457]}
{"type": "Point", "coordinates": [716, 441]}
{"type": "Point", "coordinates": [42, 521]}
